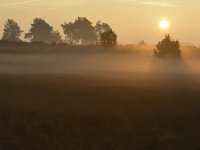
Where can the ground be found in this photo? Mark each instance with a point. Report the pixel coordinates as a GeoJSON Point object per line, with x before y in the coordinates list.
{"type": "Point", "coordinates": [142, 105]}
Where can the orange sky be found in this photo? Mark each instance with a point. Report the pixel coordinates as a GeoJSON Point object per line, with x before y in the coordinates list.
{"type": "Point", "coordinates": [133, 20]}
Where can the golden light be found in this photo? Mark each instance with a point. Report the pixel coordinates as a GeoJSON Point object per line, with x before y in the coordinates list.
{"type": "Point", "coordinates": [164, 24]}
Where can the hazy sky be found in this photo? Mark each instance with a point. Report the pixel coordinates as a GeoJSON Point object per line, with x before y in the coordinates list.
{"type": "Point", "coordinates": [133, 20]}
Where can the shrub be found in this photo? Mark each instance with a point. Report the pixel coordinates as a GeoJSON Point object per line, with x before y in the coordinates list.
{"type": "Point", "coordinates": [168, 48]}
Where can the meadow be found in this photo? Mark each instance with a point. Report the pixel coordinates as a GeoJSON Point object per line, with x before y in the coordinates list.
{"type": "Point", "coordinates": [98, 99]}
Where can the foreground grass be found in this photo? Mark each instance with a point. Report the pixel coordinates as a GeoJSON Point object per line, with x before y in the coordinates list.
{"type": "Point", "coordinates": [47, 112]}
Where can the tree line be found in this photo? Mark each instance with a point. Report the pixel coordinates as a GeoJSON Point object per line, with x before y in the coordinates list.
{"type": "Point", "coordinates": [79, 32]}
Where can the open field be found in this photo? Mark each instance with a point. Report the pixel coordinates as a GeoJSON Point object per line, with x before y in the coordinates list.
{"type": "Point", "coordinates": [99, 101]}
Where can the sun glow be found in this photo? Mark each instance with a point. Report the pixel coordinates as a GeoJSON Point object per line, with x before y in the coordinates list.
{"type": "Point", "coordinates": [164, 24]}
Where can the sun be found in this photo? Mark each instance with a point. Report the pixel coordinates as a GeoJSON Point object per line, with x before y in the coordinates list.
{"type": "Point", "coordinates": [164, 24]}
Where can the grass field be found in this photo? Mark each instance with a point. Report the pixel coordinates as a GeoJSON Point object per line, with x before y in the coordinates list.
{"type": "Point", "coordinates": [99, 102]}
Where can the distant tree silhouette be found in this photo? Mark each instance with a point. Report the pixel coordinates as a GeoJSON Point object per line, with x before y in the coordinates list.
{"type": "Point", "coordinates": [40, 31]}
{"type": "Point", "coordinates": [56, 37]}
{"type": "Point", "coordinates": [80, 31]}
{"type": "Point", "coordinates": [108, 39]}
{"type": "Point", "coordinates": [142, 43]}
{"type": "Point", "coordinates": [101, 28]}
{"type": "Point", "coordinates": [168, 48]}
{"type": "Point", "coordinates": [12, 31]}
{"type": "Point", "coordinates": [69, 31]}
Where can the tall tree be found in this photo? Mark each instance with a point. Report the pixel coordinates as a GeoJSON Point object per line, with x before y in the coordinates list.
{"type": "Point", "coordinates": [40, 31]}
{"type": "Point", "coordinates": [69, 31]}
{"type": "Point", "coordinates": [108, 39]}
{"type": "Point", "coordinates": [100, 28]}
{"type": "Point", "coordinates": [12, 31]}
{"type": "Point", "coordinates": [80, 31]}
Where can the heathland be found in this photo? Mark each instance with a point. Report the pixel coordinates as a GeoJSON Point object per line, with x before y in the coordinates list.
{"type": "Point", "coordinates": [75, 98]}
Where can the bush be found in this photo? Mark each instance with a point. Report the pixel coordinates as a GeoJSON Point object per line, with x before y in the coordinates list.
{"type": "Point", "coordinates": [168, 48]}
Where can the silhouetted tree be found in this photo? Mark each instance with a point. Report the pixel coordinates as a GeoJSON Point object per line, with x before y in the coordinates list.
{"type": "Point", "coordinates": [69, 30]}
{"type": "Point", "coordinates": [168, 48]}
{"type": "Point", "coordinates": [12, 31]}
{"type": "Point", "coordinates": [40, 31]}
{"type": "Point", "coordinates": [101, 28]}
{"type": "Point", "coordinates": [80, 31]}
{"type": "Point", "coordinates": [56, 37]}
{"type": "Point", "coordinates": [108, 39]}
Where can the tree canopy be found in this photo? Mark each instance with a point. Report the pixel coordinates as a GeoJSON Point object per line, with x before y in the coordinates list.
{"type": "Point", "coordinates": [80, 31]}
{"type": "Point", "coordinates": [56, 37]}
{"type": "Point", "coordinates": [101, 28]}
{"type": "Point", "coordinates": [168, 48]}
{"type": "Point", "coordinates": [108, 39]}
{"type": "Point", "coordinates": [40, 31]}
{"type": "Point", "coordinates": [12, 31]}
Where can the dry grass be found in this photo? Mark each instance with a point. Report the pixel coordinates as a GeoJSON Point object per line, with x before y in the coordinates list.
{"type": "Point", "coordinates": [99, 101]}
{"type": "Point", "coordinates": [76, 112]}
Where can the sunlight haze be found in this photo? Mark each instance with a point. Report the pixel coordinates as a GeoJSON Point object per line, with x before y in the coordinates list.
{"type": "Point", "coordinates": [133, 20]}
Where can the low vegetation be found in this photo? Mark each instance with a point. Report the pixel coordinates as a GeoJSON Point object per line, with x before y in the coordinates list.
{"type": "Point", "coordinates": [76, 112]}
